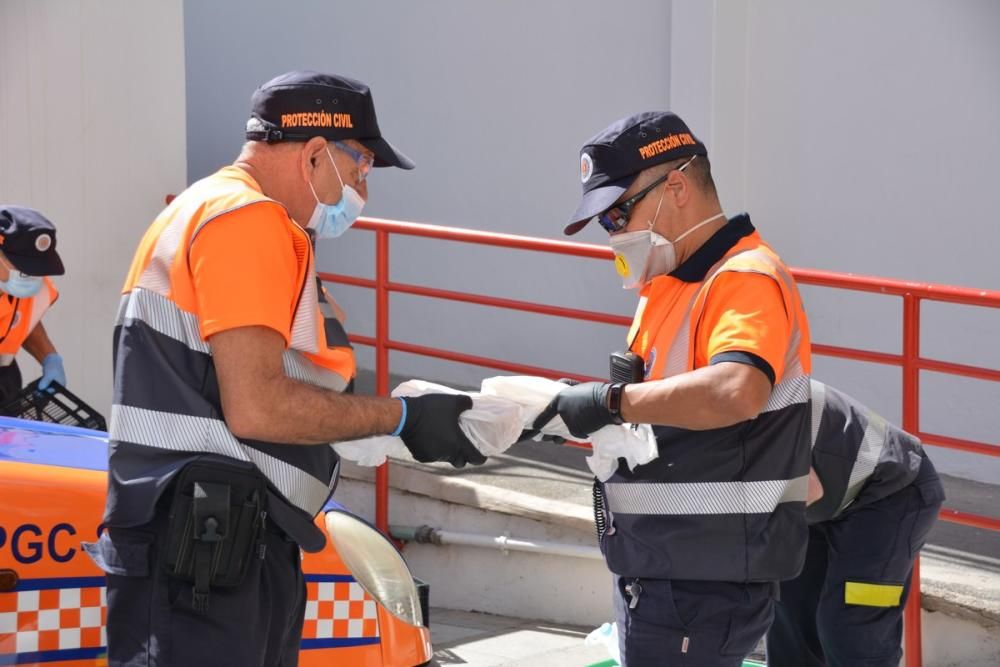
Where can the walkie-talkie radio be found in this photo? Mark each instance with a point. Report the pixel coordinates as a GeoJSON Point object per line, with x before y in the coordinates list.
{"type": "Point", "coordinates": [627, 367]}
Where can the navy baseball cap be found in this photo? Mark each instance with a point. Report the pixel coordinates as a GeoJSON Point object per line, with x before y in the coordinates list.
{"type": "Point", "coordinates": [28, 241]}
{"type": "Point", "coordinates": [298, 106]}
{"type": "Point", "coordinates": [611, 161]}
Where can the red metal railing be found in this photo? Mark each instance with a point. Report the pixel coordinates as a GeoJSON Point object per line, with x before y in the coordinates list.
{"type": "Point", "coordinates": [910, 360]}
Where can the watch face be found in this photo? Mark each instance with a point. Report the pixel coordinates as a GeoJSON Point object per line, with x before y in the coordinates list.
{"type": "Point", "coordinates": [615, 402]}
{"type": "Point", "coordinates": [615, 398]}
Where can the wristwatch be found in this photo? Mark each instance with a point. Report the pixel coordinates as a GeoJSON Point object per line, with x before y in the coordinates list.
{"type": "Point", "coordinates": [615, 401]}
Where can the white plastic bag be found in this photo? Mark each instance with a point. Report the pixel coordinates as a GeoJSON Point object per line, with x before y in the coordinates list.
{"type": "Point", "coordinates": [372, 451]}
{"type": "Point", "coordinates": [492, 425]}
{"type": "Point", "coordinates": [506, 406]}
{"type": "Point", "coordinates": [635, 443]}
{"type": "Point", "coordinates": [606, 636]}
{"type": "Point", "coordinates": [533, 394]}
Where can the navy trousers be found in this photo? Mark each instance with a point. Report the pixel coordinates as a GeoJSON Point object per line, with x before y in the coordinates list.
{"type": "Point", "coordinates": [10, 383]}
{"type": "Point", "coordinates": [671, 623]}
{"type": "Point", "coordinates": [151, 622]}
{"type": "Point", "coordinates": [846, 607]}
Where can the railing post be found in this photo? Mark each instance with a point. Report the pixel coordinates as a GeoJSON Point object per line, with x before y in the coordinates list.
{"type": "Point", "coordinates": [382, 366]}
{"type": "Point", "coordinates": [911, 422]}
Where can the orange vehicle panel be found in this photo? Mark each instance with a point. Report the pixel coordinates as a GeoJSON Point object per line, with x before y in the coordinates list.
{"type": "Point", "coordinates": [52, 499]}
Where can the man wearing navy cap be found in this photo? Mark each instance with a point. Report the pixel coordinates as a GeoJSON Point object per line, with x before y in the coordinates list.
{"type": "Point", "coordinates": [231, 380]}
{"type": "Point", "coordinates": [27, 257]}
{"type": "Point", "coordinates": [718, 362]}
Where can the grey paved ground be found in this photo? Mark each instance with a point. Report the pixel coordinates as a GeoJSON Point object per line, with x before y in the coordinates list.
{"type": "Point", "coordinates": [484, 640]}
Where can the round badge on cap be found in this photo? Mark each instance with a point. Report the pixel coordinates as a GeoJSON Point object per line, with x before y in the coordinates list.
{"type": "Point", "coordinates": [586, 167]}
{"type": "Point", "coordinates": [43, 242]}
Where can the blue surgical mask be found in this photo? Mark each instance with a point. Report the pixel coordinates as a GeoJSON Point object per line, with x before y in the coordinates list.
{"type": "Point", "coordinates": [329, 221]}
{"type": "Point", "coordinates": [21, 286]}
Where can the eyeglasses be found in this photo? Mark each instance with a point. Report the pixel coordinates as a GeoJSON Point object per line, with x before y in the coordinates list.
{"type": "Point", "coordinates": [11, 268]}
{"type": "Point", "coordinates": [364, 161]}
{"type": "Point", "coordinates": [616, 218]}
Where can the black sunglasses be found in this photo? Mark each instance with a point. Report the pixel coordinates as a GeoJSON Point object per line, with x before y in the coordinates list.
{"type": "Point", "coordinates": [616, 218]}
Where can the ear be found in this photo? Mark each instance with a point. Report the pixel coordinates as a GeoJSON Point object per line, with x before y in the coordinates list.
{"type": "Point", "coordinates": [679, 188]}
{"type": "Point", "coordinates": [313, 151]}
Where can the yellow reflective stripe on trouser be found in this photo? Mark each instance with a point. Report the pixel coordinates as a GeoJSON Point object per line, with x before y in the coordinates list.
{"type": "Point", "coordinates": [872, 595]}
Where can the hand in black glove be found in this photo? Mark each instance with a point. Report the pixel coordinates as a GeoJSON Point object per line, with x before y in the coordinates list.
{"type": "Point", "coordinates": [532, 433]}
{"type": "Point", "coordinates": [584, 408]}
{"type": "Point", "coordinates": [431, 430]}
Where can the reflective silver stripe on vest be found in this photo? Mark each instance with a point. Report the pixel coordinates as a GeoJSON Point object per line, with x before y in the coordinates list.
{"type": "Point", "coordinates": [162, 315]}
{"type": "Point", "coordinates": [40, 303]}
{"type": "Point", "coordinates": [868, 457]}
{"type": "Point", "coordinates": [704, 497]}
{"type": "Point", "coordinates": [299, 368]}
{"type": "Point", "coordinates": [156, 276]}
{"type": "Point", "coordinates": [303, 335]}
{"type": "Point", "coordinates": [680, 353]}
{"type": "Point", "coordinates": [818, 390]}
{"type": "Point", "coordinates": [787, 393]}
{"type": "Point", "coordinates": [166, 430]}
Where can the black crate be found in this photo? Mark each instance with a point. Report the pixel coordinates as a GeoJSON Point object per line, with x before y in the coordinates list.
{"type": "Point", "coordinates": [56, 405]}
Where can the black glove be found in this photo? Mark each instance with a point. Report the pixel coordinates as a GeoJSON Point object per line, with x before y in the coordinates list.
{"type": "Point", "coordinates": [431, 431]}
{"type": "Point", "coordinates": [584, 408]}
{"type": "Point", "coordinates": [531, 433]}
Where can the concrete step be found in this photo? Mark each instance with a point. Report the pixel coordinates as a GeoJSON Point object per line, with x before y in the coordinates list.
{"type": "Point", "coordinates": [542, 501]}
{"type": "Point", "coordinates": [487, 640]}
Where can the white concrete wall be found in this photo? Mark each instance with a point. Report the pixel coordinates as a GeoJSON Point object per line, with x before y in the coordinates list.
{"type": "Point", "coordinates": [92, 133]}
{"type": "Point", "coordinates": [560, 589]}
{"type": "Point", "coordinates": [861, 137]}
{"type": "Point", "coordinates": [493, 101]}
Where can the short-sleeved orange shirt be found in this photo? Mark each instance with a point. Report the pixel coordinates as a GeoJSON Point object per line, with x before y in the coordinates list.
{"type": "Point", "coordinates": [742, 313]}
{"type": "Point", "coordinates": [244, 271]}
{"type": "Point", "coordinates": [744, 320]}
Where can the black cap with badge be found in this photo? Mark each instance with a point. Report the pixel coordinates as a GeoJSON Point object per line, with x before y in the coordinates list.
{"type": "Point", "coordinates": [298, 106]}
{"type": "Point", "coordinates": [611, 161]}
{"type": "Point", "coordinates": [28, 241]}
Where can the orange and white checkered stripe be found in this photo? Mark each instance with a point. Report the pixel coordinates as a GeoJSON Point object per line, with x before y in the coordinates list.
{"type": "Point", "coordinates": [48, 620]}
{"type": "Point", "coordinates": [339, 609]}
{"type": "Point", "coordinates": [51, 622]}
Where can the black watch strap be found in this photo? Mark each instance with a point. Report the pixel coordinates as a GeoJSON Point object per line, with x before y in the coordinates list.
{"type": "Point", "coordinates": [615, 401]}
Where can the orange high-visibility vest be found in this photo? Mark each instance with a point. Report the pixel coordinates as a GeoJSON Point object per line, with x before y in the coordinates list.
{"type": "Point", "coordinates": [725, 504]}
{"type": "Point", "coordinates": [19, 317]}
{"type": "Point", "coordinates": [167, 409]}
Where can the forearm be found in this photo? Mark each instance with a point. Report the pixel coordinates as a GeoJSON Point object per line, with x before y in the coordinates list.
{"type": "Point", "coordinates": [37, 344]}
{"type": "Point", "coordinates": [298, 413]}
{"type": "Point", "coordinates": [705, 398]}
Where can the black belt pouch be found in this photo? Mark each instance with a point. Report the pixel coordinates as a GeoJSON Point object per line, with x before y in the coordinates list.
{"type": "Point", "coordinates": [215, 522]}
